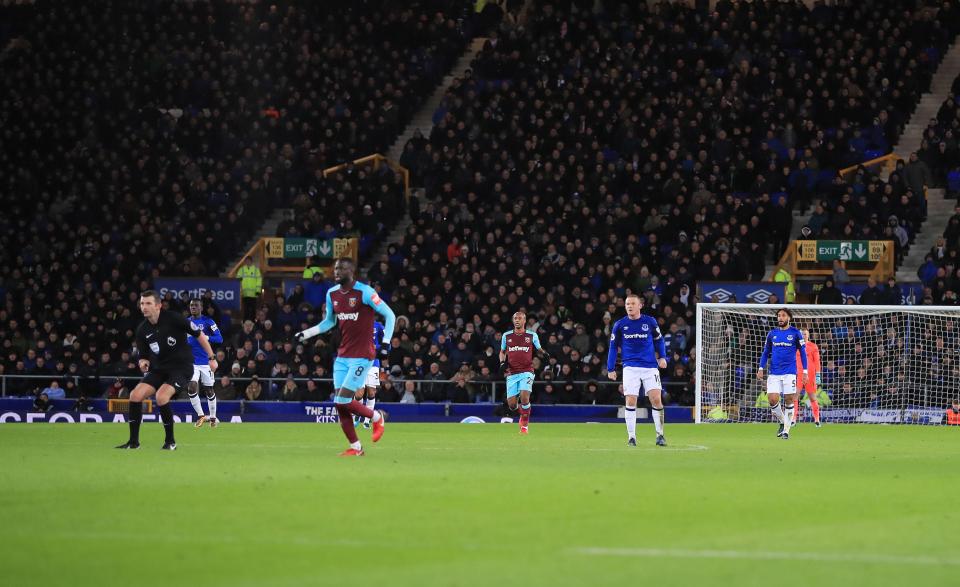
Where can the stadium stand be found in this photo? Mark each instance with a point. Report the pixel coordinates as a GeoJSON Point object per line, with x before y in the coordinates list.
{"type": "Point", "coordinates": [587, 153]}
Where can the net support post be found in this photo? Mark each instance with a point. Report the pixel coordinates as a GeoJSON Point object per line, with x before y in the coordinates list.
{"type": "Point", "coordinates": [699, 385]}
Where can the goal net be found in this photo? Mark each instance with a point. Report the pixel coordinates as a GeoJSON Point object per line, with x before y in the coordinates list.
{"type": "Point", "coordinates": [879, 364]}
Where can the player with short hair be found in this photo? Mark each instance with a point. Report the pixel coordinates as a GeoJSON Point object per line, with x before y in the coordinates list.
{"type": "Point", "coordinates": [639, 339]}
{"type": "Point", "coordinates": [781, 349]}
{"type": "Point", "coordinates": [812, 380]}
{"type": "Point", "coordinates": [202, 375]}
{"type": "Point", "coordinates": [368, 394]}
{"type": "Point", "coordinates": [352, 305]}
{"type": "Point", "coordinates": [517, 348]}
{"type": "Point", "coordinates": [166, 362]}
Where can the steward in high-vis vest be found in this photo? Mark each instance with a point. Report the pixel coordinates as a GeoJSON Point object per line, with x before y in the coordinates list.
{"type": "Point", "coordinates": [251, 284]}
{"type": "Point", "coordinates": [790, 292]}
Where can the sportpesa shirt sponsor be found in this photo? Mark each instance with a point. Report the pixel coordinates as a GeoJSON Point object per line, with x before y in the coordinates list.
{"type": "Point", "coordinates": [636, 339]}
{"type": "Point", "coordinates": [781, 349]}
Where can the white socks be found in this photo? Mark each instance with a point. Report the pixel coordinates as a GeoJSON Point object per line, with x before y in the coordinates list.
{"type": "Point", "coordinates": [370, 403]}
{"type": "Point", "coordinates": [788, 419]}
{"type": "Point", "coordinates": [212, 405]}
{"type": "Point", "coordinates": [356, 445]}
{"type": "Point", "coordinates": [657, 415]}
{"type": "Point", "coordinates": [376, 416]}
{"type": "Point", "coordinates": [778, 412]}
{"type": "Point", "coordinates": [630, 415]}
{"type": "Point", "coordinates": [195, 402]}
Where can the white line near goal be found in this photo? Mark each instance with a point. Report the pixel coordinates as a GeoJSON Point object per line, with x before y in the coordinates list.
{"type": "Point", "coordinates": [822, 557]}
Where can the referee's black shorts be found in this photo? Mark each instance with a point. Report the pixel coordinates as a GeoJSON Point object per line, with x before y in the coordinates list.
{"type": "Point", "coordinates": [177, 378]}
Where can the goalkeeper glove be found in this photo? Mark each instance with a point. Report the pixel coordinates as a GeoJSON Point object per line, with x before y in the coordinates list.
{"type": "Point", "coordinates": [818, 379]}
{"type": "Point", "coordinates": [804, 373]}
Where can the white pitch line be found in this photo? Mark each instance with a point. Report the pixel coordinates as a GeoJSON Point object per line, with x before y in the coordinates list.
{"type": "Point", "coordinates": [888, 559]}
{"type": "Point", "coordinates": [624, 449]}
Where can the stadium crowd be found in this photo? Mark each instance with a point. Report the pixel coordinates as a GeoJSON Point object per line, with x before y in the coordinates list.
{"type": "Point", "coordinates": [590, 151]}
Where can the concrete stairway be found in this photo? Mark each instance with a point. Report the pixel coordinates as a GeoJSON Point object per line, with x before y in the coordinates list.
{"type": "Point", "coordinates": [939, 211]}
{"type": "Point", "coordinates": [930, 102]}
{"type": "Point", "coordinates": [423, 121]}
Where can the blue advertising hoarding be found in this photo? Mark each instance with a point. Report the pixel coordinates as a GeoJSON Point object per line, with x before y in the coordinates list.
{"type": "Point", "coordinates": [226, 292]}
{"type": "Point", "coordinates": [20, 410]}
{"type": "Point", "coordinates": [743, 292]}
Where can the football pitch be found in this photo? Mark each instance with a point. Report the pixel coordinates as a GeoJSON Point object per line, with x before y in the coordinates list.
{"type": "Point", "coordinates": [451, 504]}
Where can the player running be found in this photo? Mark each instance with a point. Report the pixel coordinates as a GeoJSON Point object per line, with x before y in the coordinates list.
{"type": "Point", "coordinates": [635, 335]}
{"type": "Point", "coordinates": [202, 374]}
{"type": "Point", "coordinates": [352, 305]}
{"type": "Point", "coordinates": [781, 349]}
{"type": "Point", "coordinates": [373, 379]}
{"type": "Point", "coordinates": [166, 362]}
{"type": "Point", "coordinates": [812, 380]}
{"type": "Point", "coordinates": [517, 348]}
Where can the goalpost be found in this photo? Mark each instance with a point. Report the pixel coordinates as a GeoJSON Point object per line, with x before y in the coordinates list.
{"type": "Point", "coordinates": [879, 364]}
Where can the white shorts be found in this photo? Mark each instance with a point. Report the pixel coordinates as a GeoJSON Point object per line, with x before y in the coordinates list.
{"type": "Point", "coordinates": [782, 384]}
{"type": "Point", "coordinates": [203, 374]}
{"type": "Point", "coordinates": [373, 377]}
{"type": "Point", "coordinates": [634, 377]}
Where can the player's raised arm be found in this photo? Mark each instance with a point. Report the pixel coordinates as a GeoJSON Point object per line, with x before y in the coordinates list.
{"type": "Point", "coordinates": [329, 321]}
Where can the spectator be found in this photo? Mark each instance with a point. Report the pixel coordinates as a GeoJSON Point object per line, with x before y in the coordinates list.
{"type": "Point", "coordinates": [54, 391]}
{"type": "Point", "coordinates": [290, 392]}
{"type": "Point", "coordinates": [840, 275]}
{"type": "Point", "coordinates": [42, 403]}
{"type": "Point", "coordinates": [892, 295]}
{"type": "Point", "coordinates": [871, 295]}
{"type": "Point", "coordinates": [829, 293]}
{"type": "Point", "coordinates": [224, 387]}
{"type": "Point", "coordinates": [254, 389]}
{"type": "Point", "coordinates": [409, 393]}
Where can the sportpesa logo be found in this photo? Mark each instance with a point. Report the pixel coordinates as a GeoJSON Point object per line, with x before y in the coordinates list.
{"type": "Point", "coordinates": [348, 316]}
{"type": "Point", "coordinates": [629, 336]}
{"type": "Point", "coordinates": [515, 349]}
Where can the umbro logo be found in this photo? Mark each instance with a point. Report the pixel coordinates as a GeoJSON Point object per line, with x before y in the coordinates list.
{"type": "Point", "coordinates": [761, 296]}
{"type": "Point", "coordinates": [719, 295]}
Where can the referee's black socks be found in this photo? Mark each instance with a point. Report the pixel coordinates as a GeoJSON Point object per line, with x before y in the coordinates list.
{"type": "Point", "coordinates": [136, 415]}
{"type": "Point", "coordinates": [166, 412]}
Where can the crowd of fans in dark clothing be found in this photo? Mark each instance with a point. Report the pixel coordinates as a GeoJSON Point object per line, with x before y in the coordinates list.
{"type": "Point", "coordinates": [598, 148]}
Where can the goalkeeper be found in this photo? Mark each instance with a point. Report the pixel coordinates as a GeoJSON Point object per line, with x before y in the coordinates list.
{"type": "Point", "coordinates": [811, 382]}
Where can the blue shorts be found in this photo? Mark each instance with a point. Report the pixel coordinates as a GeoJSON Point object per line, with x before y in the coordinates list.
{"type": "Point", "coordinates": [350, 374]}
{"type": "Point", "coordinates": [519, 382]}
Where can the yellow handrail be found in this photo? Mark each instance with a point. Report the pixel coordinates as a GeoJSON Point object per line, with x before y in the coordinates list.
{"type": "Point", "coordinates": [376, 160]}
{"type": "Point", "coordinates": [888, 160]}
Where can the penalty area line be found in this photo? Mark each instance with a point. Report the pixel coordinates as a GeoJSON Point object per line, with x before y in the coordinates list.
{"type": "Point", "coordinates": [822, 557]}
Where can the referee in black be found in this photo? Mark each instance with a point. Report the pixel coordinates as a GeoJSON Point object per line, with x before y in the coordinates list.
{"type": "Point", "coordinates": [166, 361]}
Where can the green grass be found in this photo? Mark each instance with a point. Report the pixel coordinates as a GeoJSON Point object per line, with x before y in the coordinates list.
{"type": "Point", "coordinates": [447, 504]}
